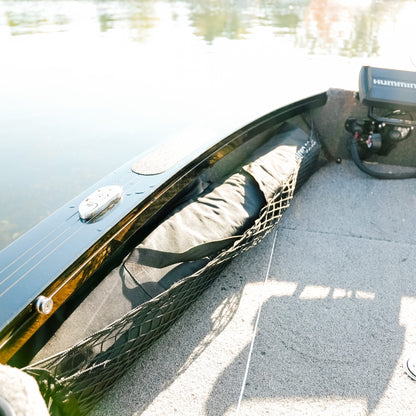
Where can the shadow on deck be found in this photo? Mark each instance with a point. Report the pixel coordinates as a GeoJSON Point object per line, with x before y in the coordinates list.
{"type": "Point", "coordinates": [336, 322]}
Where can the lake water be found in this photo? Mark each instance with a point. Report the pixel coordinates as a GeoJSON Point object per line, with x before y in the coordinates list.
{"type": "Point", "coordinates": [87, 85]}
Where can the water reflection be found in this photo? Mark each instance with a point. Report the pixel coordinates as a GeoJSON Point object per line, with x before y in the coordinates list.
{"type": "Point", "coordinates": [230, 19]}
{"type": "Point", "coordinates": [137, 17]}
{"type": "Point", "coordinates": [349, 29]}
{"type": "Point", "coordinates": [25, 18]}
{"type": "Point", "coordinates": [88, 84]}
{"type": "Point", "coordinates": [346, 28]}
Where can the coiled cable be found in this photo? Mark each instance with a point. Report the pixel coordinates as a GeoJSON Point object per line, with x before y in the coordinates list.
{"type": "Point", "coordinates": [377, 174]}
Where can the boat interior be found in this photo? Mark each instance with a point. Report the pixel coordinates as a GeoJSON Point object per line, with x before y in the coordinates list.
{"type": "Point", "coordinates": [316, 318]}
{"type": "Point", "coordinates": [337, 315]}
{"type": "Point", "coordinates": [337, 310]}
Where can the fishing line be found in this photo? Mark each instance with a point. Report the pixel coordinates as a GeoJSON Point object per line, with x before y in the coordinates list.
{"type": "Point", "coordinates": [243, 386]}
{"type": "Point", "coordinates": [34, 255]}
{"type": "Point", "coordinates": [51, 232]}
{"type": "Point", "coordinates": [79, 268]}
{"type": "Point", "coordinates": [54, 248]}
{"type": "Point", "coordinates": [132, 183]}
{"type": "Point", "coordinates": [129, 181]}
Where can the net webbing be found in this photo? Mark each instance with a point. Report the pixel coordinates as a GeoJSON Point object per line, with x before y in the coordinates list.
{"type": "Point", "coordinates": [77, 378]}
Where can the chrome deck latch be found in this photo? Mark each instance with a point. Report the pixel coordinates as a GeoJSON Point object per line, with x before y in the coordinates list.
{"type": "Point", "coordinates": [99, 201]}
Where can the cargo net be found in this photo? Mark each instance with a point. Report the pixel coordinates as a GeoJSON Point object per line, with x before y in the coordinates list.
{"type": "Point", "coordinates": [73, 381]}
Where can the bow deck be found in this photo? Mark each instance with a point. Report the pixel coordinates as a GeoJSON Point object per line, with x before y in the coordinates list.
{"type": "Point", "coordinates": [337, 315]}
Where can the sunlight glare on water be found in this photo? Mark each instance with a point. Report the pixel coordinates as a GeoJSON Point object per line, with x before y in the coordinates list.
{"type": "Point", "coordinates": [87, 85]}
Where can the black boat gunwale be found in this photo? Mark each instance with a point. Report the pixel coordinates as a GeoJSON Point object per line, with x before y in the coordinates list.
{"type": "Point", "coordinates": [83, 247]}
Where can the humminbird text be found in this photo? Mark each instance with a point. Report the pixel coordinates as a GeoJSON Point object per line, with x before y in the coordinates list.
{"type": "Point", "coordinates": [389, 83]}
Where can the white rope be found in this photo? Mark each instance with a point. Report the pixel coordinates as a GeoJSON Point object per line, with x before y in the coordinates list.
{"type": "Point", "coordinates": [243, 386]}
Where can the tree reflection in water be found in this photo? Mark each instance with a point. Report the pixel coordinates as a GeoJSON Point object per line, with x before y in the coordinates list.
{"type": "Point", "coordinates": [340, 27]}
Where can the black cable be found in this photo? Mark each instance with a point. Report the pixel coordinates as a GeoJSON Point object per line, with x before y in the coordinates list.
{"type": "Point", "coordinates": [379, 175]}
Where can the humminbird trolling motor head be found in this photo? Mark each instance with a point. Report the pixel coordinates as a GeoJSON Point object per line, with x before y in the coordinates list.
{"type": "Point", "coordinates": [390, 96]}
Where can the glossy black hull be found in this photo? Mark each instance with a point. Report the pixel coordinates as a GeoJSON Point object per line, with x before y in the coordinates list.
{"type": "Point", "coordinates": [77, 377]}
{"type": "Point", "coordinates": [62, 254]}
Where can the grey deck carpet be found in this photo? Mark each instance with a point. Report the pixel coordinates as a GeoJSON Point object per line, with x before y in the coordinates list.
{"type": "Point", "coordinates": [337, 319]}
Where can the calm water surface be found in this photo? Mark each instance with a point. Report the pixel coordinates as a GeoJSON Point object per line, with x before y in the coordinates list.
{"type": "Point", "coordinates": [87, 85]}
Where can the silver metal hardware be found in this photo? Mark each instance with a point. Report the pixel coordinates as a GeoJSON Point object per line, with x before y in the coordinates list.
{"type": "Point", "coordinates": [5, 408]}
{"type": "Point", "coordinates": [99, 201]}
{"type": "Point", "coordinates": [44, 305]}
